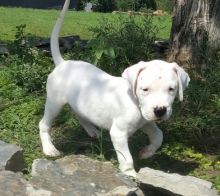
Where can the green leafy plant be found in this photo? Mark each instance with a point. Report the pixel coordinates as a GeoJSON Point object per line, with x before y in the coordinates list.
{"type": "Point", "coordinates": [32, 78]}
{"type": "Point", "coordinates": [165, 5]}
{"type": "Point", "coordinates": [121, 42]}
{"type": "Point", "coordinates": [29, 69]}
{"type": "Point", "coordinates": [135, 5]}
{"type": "Point", "coordinates": [21, 47]}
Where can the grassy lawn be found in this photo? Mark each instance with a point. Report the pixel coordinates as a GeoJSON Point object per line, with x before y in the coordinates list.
{"type": "Point", "coordinates": [40, 22]}
{"type": "Point", "coordinates": [191, 137]}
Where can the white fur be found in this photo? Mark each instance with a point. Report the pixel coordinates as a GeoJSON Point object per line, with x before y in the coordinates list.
{"type": "Point", "coordinates": [119, 104]}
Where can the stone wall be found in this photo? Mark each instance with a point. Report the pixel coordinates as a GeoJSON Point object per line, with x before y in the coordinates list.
{"type": "Point", "coordinates": [79, 175]}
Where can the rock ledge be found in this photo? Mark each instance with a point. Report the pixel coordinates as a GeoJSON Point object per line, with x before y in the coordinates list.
{"type": "Point", "coordinates": [79, 175]}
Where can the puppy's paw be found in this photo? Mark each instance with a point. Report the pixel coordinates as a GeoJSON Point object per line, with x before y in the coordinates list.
{"type": "Point", "coordinates": [147, 151]}
{"type": "Point", "coordinates": [51, 151]}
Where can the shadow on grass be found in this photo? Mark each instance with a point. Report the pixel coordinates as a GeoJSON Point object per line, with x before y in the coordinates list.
{"type": "Point", "coordinates": [167, 164]}
{"type": "Point", "coordinates": [76, 141]}
{"type": "Point", "coordinates": [208, 145]}
{"type": "Point", "coordinates": [71, 138]}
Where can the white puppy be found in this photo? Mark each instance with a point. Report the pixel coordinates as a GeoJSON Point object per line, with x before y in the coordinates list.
{"type": "Point", "coordinates": [144, 94]}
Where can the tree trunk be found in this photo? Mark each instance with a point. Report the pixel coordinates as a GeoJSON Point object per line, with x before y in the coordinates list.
{"type": "Point", "coordinates": [195, 31]}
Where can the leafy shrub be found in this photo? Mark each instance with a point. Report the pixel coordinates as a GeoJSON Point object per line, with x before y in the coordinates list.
{"type": "Point", "coordinates": [79, 51]}
{"type": "Point", "coordinates": [165, 5]}
{"type": "Point", "coordinates": [104, 5]}
{"type": "Point", "coordinates": [21, 47]}
{"type": "Point", "coordinates": [121, 42]}
{"type": "Point", "coordinates": [29, 69]}
{"type": "Point", "coordinates": [125, 5]}
{"type": "Point", "coordinates": [32, 78]}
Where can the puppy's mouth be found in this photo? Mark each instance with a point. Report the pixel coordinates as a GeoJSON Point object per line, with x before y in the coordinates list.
{"type": "Point", "coordinates": [154, 118]}
{"type": "Point", "coordinates": [160, 119]}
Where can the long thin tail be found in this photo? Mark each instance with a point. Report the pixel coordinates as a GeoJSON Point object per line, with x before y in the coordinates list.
{"type": "Point", "coordinates": [54, 41]}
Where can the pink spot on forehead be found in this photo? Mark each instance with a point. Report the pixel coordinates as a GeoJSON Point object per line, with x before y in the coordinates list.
{"type": "Point", "coordinates": [160, 77]}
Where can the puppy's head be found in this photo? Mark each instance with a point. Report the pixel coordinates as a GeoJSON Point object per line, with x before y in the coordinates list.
{"type": "Point", "coordinates": [155, 84]}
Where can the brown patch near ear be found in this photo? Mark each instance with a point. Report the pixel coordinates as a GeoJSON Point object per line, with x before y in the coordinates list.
{"type": "Point", "coordinates": [135, 82]}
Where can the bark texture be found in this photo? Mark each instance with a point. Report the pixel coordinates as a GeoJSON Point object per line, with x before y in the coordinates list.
{"type": "Point", "coordinates": [195, 30]}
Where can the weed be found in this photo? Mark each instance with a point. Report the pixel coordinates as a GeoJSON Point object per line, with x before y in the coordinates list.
{"type": "Point", "coordinates": [32, 78]}
{"type": "Point", "coordinates": [28, 68]}
{"type": "Point", "coordinates": [166, 5]}
{"type": "Point", "coordinates": [122, 42]}
{"type": "Point", "coordinates": [21, 47]}
{"type": "Point", "coordinates": [127, 5]}
{"type": "Point", "coordinates": [216, 183]}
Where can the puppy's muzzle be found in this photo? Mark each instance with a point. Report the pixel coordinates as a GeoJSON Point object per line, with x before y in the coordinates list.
{"type": "Point", "coordinates": [160, 111]}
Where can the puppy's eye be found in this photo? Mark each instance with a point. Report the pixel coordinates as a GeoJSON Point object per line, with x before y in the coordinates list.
{"type": "Point", "coordinates": [171, 89]}
{"type": "Point", "coordinates": [145, 89]}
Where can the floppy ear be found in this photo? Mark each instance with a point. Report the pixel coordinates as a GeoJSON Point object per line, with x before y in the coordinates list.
{"type": "Point", "coordinates": [131, 74]}
{"type": "Point", "coordinates": [183, 79]}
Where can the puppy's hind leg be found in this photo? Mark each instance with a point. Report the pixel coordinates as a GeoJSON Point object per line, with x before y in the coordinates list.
{"type": "Point", "coordinates": [52, 109]}
{"type": "Point", "coordinates": [89, 127]}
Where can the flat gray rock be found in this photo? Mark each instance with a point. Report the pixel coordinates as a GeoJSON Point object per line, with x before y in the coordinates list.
{"type": "Point", "coordinates": [12, 184]}
{"type": "Point", "coordinates": [31, 191]}
{"type": "Point", "coordinates": [79, 175]}
{"type": "Point", "coordinates": [174, 184]}
{"type": "Point", "coordinates": [11, 157]}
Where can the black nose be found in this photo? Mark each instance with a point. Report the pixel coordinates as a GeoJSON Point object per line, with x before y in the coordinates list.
{"type": "Point", "coordinates": [160, 111]}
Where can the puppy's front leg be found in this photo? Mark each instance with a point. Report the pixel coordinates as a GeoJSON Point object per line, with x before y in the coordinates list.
{"type": "Point", "coordinates": [155, 136]}
{"type": "Point", "coordinates": [119, 138]}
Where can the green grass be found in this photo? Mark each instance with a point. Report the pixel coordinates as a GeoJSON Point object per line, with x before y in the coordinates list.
{"type": "Point", "coordinates": [40, 22]}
